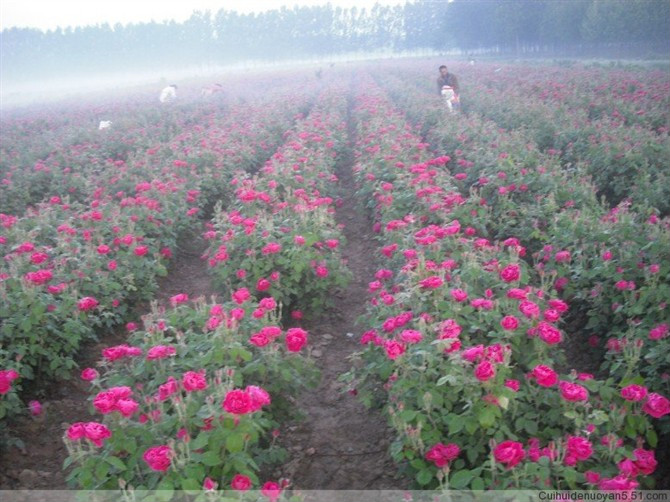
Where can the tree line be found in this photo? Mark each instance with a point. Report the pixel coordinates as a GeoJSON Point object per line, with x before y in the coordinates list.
{"type": "Point", "coordinates": [226, 37]}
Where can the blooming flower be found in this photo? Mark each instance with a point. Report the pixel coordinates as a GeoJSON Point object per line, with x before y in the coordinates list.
{"type": "Point", "coordinates": [158, 458]}
{"type": "Point", "coordinates": [509, 453]}
{"type": "Point", "coordinates": [441, 454]}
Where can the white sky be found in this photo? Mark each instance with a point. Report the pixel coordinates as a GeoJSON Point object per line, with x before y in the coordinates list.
{"type": "Point", "coordinates": [49, 14]}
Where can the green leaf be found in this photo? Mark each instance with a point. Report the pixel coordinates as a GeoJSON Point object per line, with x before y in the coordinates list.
{"type": "Point", "coordinates": [652, 438]}
{"type": "Point", "coordinates": [235, 443]}
{"type": "Point", "coordinates": [189, 484]}
{"type": "Point", "coordinates": [211, 459]}
{"type": "Point", "coordinates": [424, 477]}
{"type": "Point", "coordinates": [201, 441]}
{"type": "Point", "coordinates": [460, 479]}
{"type": "Point", "coordinates": [164, 490]}
{"type": "Point", "coordinates": [487, 417]}
{"type": "Point", "coordinates": [477, 484]}
{"type": "Point", "coordinates": [116, 462]}
{"type": "Point", "coordinates": [456, 424]}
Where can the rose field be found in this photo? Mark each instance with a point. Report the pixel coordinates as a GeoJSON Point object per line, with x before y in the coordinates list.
{"type": "Point", "coordinates": [329, 282]}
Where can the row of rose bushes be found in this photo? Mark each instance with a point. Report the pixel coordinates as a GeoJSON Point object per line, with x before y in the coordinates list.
{"type": "Point", "coordinates": [626, 159]}
{"type": "Point", "coordinates": [192, 401]}
{"type": "Point", "coordinates": [57, 150]}
{"type": "Point", "coordinates": [612, 265]}
{"type": "Point", "coordinates": [466, 342]}
{"type": "Point", "coordinates": [279, 236]}
{"type": "Point", "coordinates": [196, 398]}
{"type": "Point", "coordinates": [73, 269]}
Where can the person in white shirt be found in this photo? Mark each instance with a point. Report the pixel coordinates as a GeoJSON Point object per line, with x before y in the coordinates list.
{"type": "Point", "coordinates": [168, 94]}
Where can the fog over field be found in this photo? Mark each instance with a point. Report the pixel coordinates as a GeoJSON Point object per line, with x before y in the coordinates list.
{"type": "Point", "coordinates": [45, 63]}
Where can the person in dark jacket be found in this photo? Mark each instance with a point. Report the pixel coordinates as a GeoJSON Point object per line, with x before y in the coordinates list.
{"type": "Point", "coordinates": [448, 88]}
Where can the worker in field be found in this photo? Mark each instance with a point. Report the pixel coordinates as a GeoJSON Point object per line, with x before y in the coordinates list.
{"type": "Point", "coordinates": [211, 90]}
{"type": "Point", "coordinates": [168, 94]}
{"type": "Point", "coordinates": [448, 88]}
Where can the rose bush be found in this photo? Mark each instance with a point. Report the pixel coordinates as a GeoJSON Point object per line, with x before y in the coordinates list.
{"type": "Point", "coordinates": [191, 397]}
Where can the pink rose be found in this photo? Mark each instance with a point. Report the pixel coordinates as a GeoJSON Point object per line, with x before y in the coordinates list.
{"type": "Point", "coordinates": [194, 381]}
{"type": "Point", "coordinates": [240, 483]}
{"type": "Point", "coordinates": [321, 271]}
{"type": "Point", "coordinates": [168, 388]}
{"type": "Point", "coordinates": [645, 461]}
{"type": "Point", "coordinates": [529, 309]}
{"type": "Point", "coordinates": [634, 392]}
{"type": "Point", "coordinates": [178, 299]}
{"type": "Point", "coordinates": [562, 256]}
{"type": "Point", "coordinates": [271, 248]}
{"type": "Point", "coordinates": [656, 405]}
{"type": "Point", "coordinates": [515, 385]}
{"type": "Point", "coordinates": [35, 408]}
{"type": "Point", "coordinates": [209, 484]}
{"type": "Point", "coordinates": [485, 371]}
{"type": "Point", "coordinates": [96, 433]}
{"type": "Point", "coordinates": [592, 477]}
{"type": "Point", "coordinates": [158, 458]}
{"type": "Point", "coordinates": [549, 333]}
{"type": "Point", "coordinates": [296, 339]}
{"type": "Point", "coordinates": [89, 374]}
{"type": "Point", "coordinates": [441, 454]}
{"type": "Point", "coordinates": [509, 323]}
{"type": "Point", "coordinates": [510, 273]}
{"type": "Point", "coordinates": [544, 376]}
{"type": "Point", "coordinates": [241, 295]}
{"type": "Point", "coordinates": [76, 431]}
{"type": "Point", "coordinates": [127, 407]}
{"type": "Point", "coordinates": [431, 282]}
{"type": "Point", "coordinates": [619, 483]}
{"type": "Point", "coordinates": [259, 397]}
{"type": "Point", "coordinates": [471, 354]}
{"type": "Point", "coordinates": [411, 336]}
{"type": "Point", "coordinates": [237, 402]}
{"type": "Point", "coordinates": [573, 392]}
{"type": "Point", "coordinates": [271, 490]}
{"type": "Point", "coordinates": [161, 352]}
{"type": "Point", "coordinates": [394, 349]}
{"type": "Point", "coordinates": [458, 295]}
{"type": "Point", "coordinates": [580, 448]}
{"type": "Point", "coordinates": [509, 453]}
{"type": "Point", "coordinates": [87, 303]}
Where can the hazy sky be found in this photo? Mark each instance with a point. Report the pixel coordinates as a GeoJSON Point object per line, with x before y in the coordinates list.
{"type": "Point", "coordinates": [48, 14]}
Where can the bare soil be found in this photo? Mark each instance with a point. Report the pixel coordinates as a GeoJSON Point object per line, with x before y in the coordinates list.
{"type": "Point", "coordinates": [341, 445]}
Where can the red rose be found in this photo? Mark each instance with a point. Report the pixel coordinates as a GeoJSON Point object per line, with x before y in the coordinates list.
{"type": "Point", "coordinates": [194, 381]}
{"type": "Point", "coordinates": [544, 375]}
{"type": "Point", "coordinates": [237, 402]}
{"type": "Point", "coordinates": [509, 453]}
{"type": "Point", "coordinates": [509, 323]}
{"type": "Point", "coordinates": [484, 371]}
{"type": "Point", "coordinates": [240, 483]}
{"type": "Point", "coordinates": [442, 454]}
{"type": "Point", "coordinates": [634, 392]}
{"type": "Point", "coordinates": [510, 273]}
{"type": "Point", "coordinates": [580, 448]}
{"type": "Point", "coordinates": [656, 405]}
{"type": "Point", "coordinates": [296, 339]}
{"type": "Point", "coordinates": [158, 458]}
{"type": "Point", "coordinates": [573, 392]}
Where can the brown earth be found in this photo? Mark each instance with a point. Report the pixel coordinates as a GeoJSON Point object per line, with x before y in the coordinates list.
{"type": "Point", "coordinates": [341, 445]}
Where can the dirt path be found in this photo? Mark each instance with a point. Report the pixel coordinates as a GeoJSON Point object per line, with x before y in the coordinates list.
{"type": "Point", "coordinates": [39, 465]}
{"type": "Point", "coordinates": [341, 445]}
